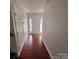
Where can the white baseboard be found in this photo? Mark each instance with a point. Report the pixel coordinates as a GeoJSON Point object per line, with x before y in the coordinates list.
{"type": "Point", "coordinates": [22, 46]}
{"type": "Point", "coordinates": [20, 49]}
{"type": "Point", "coordinates": [48, 50]}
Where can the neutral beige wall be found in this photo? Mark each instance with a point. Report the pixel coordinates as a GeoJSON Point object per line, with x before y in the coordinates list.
{"type": "Point", "coordinates": [55, 26]}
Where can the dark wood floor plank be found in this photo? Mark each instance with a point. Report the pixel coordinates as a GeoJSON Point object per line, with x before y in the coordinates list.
{"type": "Point", "coordinates": [34, 49]}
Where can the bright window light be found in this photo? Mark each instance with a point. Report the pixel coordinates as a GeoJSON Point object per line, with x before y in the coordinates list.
{"type": "Point", "coordinates": [41, 21]}
{"type": "Point", "coordinates": [30, 25]}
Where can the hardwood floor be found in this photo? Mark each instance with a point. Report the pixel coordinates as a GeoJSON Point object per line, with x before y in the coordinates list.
{"type": "Point", "coordinates": [34, 49]}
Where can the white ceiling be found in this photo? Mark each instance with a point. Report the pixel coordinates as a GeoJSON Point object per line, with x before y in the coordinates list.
{"type": "Point", "coordinates": [31, 5]}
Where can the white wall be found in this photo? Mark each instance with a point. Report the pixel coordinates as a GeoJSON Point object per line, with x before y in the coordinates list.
{"type": "Point", "coordinates": [25, 25]}
{"type": "Point", "coordinates": [55, 26]}
{"type": "Point", "coordinates": [21, 24]}
{"type": "Point", "coordinates": [13, 46]}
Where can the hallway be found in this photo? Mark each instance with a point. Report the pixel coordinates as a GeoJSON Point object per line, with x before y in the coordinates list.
{"type": "Point", "coordinates": [34, 49]}
{"type": "Point", "coordinates": [29, 17]}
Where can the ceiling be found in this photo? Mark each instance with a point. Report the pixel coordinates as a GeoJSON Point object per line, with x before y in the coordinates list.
{"type": "Point", "coordinates": [31, 5]}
